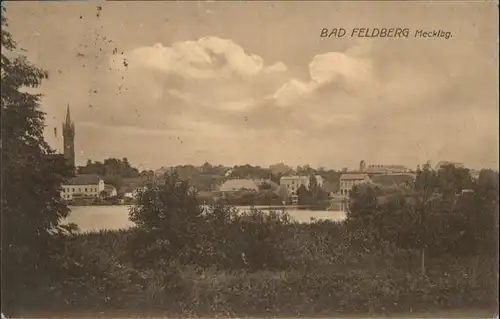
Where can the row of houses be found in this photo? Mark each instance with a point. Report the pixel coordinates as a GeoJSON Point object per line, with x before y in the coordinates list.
{"type": "Point", "coordinates": [348, 181]}
{"type": "Point", "coordinates": [382, 175]}
{"type": "Point", "coordinates": [290, 184]}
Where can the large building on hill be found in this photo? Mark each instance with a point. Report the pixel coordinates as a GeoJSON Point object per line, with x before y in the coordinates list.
{"type": "Point", "coordinates": [386, 169]}
{"type": "Point", "coordinates": [68, 128]}
{"type": "Point", "coordinates": [447, 163]}
{"type": "Point", "coordinates": [396, 180]}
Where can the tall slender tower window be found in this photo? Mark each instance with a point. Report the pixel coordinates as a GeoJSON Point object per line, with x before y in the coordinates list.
{"type": "Point", "coordinates": [69, 139]}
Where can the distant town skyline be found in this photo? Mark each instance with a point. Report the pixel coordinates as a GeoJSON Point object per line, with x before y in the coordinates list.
{"type": "Point", "coordinates": [234, 83]}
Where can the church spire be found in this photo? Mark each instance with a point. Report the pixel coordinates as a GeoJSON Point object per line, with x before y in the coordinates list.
{"type": "Point", "coordinates": [69, 138]}
{"type": "Point", "coordinates": [68, 116]}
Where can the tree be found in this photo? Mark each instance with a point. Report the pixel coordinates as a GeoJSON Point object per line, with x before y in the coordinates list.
{"type": "Point", "coordinates": [265, 186]}
{"type": "Point", "coordinates": [283, 194]}
{"type": "Point", "coordinates": [32, 174]}
{"type": "Point", "coordinates": [479, 210]}
{"type": "Point", "coordinates": [280, 168]}
{"type": "Point", "coordinates": [451, 180]}
{"type": "Point", "coordinates": [115, 181]}
{"type": "Point", "coordinates": [313, 182]}
{"type": "Point", "coordinates": [168, 219]}
{"type": "Point", "coordinates": [317, 193]}
{"type": "Point", "coordinates": [304, 195]}
{"type": "Point", "coordinates": [276, 177]}
{"type": "Point", "coordinates": [111, 167]}
{"type": "Point", "coordinates": [305, 170]}
{"type": "Point", "coordinates": [206, 168]}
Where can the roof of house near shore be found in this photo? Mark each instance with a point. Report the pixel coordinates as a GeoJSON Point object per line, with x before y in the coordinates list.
{"type": "Point", "coordinates": [130, 189]}
{"type": "Point", "coordinates": [393, 179]}
{"type": "Point", "coordinates": [109, 188]}
{"type": "Point", "coordinates": [353, 176]}
{"type": "Point", "coordinates": [239, 184]}
{"type": "Point", "coordinates": [130, 183]}
{"type": "Point", "coordinates": [133, 180]}
{"type": "Point", "coordinates": [83, 179]}
{"type": "Point", "coordinates": [305, 177]}
{"type": "Point", "coordinates": [274, 186]}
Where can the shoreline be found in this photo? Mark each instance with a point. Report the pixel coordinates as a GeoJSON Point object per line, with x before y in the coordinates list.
{"type": "Point", "coordinates": [265, 207]}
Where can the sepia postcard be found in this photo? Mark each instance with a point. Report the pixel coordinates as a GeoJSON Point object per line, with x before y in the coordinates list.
{"type": "Point", "coordinates": [249, 159]}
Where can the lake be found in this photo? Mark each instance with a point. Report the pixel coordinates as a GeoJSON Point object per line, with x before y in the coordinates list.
{"type": "Point", "coordinates": [95, 218]}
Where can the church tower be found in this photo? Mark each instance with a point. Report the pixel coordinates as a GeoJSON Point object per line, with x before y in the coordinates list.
{"type": "Point", "coordinates": [69, 139]}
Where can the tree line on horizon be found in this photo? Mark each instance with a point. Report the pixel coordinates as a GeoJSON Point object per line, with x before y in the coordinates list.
{"type": "Point", "coordinates": [206, 177]}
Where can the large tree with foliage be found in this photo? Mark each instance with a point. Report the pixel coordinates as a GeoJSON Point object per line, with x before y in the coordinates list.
{"type": "Point", "coordinates": [303, 195]}
{"type": "Point", "coordinates": [168, 218]}
{"type": "Point", "coordinates": [32, 173]}
{"type": "Point", "coordinates": [316, 190]}
{"type": "Point", "coordinates": [111, 167]}
{"type": "Point", "coordinates": [434, 216]}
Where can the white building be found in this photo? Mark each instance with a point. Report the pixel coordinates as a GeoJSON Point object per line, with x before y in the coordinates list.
{"type": "Point", "coordinates": [82, 186]}
{"type": "Point", "coordinates": [292, 183]}
{"type": "Point", "coordinates": [386, 169]}
{"type": "Point", "coordinates": [133, 192]}
{"type": "Point", "coordinates": [348, 181]}
{"type": "Point", "coordinates": [110, 190]}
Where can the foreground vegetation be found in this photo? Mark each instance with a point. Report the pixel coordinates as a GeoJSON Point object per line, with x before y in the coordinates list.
{"type": "Point", "coordinates": [187, 260]}
{"type": "Point", "coordinates": [429, 246]}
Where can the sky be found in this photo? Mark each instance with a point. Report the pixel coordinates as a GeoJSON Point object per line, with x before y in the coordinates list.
{"type": "Point", "coordinates": [234, 83]}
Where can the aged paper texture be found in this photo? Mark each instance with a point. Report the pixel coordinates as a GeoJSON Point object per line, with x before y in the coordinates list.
{"type": "Point", "coordinates": [249, 159]}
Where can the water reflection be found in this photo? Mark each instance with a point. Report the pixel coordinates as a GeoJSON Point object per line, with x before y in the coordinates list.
{"type": "Point", "coordinates": [95, 218]}
{"type": "Point", "coordinates": [341, 206]}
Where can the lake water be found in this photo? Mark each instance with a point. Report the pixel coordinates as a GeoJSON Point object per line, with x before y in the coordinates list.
{"type": "Point", "coordinates": [95, 218]}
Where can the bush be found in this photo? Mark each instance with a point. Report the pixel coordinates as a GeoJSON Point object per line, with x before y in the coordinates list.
{"type": "Point", "coordinates": [322, 278]}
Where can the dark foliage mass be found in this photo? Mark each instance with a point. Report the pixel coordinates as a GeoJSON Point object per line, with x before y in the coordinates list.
{"type": "Point", "coordinates": [427, 246]}
{"type": "Point", "coordinates": [31, 177]}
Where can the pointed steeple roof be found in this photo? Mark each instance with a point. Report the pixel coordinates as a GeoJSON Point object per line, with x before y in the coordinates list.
{"type": "Point", "coordinates": [68, 116]}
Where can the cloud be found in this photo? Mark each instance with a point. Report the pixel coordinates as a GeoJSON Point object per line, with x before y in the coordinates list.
{"type": "Point", "coordinates": [277, 67]}
{"type": "Point", "coordinates": [211, 96]}
{"type": "Point", "coordinates": [332, 66]}
{"type": "Point", "coordinates": [291, 91]}
{"type": "Point", "coordinates": [205, 59]}
{"type": "Point", "coordinates": [216, 79]}
{"type": "Point", "coordinates": [302, 99]}
{"type": "Point", "coordinates": [351, 72]}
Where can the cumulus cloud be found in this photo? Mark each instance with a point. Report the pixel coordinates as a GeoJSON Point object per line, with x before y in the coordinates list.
{"type": "Point", "coordinates": [332, 66]}
{"type": "Point", "coordinates": [204, 59]}
{"type": "Point", "coordinates": [211, 96]}
{"type": "Point", "coordinates": [217, 75]}
{"type": "Point", "coordinates": [303, 99]}
{"type": "Point", "coordinates": [351, 72]}
{"type": "Point", "coordinates": [215, 80]}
